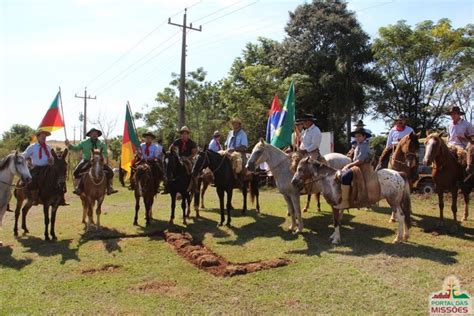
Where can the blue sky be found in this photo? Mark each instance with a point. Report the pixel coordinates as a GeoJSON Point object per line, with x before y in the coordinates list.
{"type": "Point", "coordinates": [78, 43]}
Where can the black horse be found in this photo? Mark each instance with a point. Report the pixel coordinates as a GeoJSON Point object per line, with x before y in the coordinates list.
{"type": "Point", "coordinates": [179, 181]}
{"type": "Point", "coordinates": [224, 181]}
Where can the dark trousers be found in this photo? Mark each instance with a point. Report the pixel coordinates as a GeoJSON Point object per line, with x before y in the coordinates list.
{"type": "Point", "coordinates": [347, 177]}
{"type": "Point", "coordinates": [83, 166]}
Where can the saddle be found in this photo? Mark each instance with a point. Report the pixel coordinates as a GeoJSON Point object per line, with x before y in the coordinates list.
{"type": "Point", "coordinates": [365, 188]}
{"type": "Point", "coordinates": [296, 157]}
{"type": "Point", "coordinates": [459, 153]}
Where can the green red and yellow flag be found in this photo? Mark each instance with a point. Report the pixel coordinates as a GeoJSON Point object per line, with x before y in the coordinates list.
{"type": "Point", "coordinates": [130, 143]}
{"type": "Point", "coordinates": [52, 120]}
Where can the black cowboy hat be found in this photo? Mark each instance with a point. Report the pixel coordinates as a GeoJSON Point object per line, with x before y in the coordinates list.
{"type": "Point", "coordinates": [94, 130]}
{"type": "Point", "coordinates": [359, 123]}
{"type": "Point", "coordinates": [149, 134]}
{"type": "Point", "coordinates": [455, 109]}
{"type": "Point", "coordinates": [360, 130]}
{"type": "Point", "coordinates": [307, 117]}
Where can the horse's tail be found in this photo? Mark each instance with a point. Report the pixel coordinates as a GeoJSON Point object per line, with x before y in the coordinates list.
{"type": "Point", "coordinates": [253, 187]}
{"type": "Point", "coordinates": [406, 201]}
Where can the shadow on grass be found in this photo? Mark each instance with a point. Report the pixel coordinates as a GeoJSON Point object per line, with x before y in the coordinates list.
{"type": "Point", "coordinates": [50, 248]}
{"type": "Point", "coordinates": [430, 224]}
{"type": "Point", "coordinates": [8, 261]}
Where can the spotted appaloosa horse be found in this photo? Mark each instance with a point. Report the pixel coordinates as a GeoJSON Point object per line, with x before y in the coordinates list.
{"type": "Point", "coordinates": [448, 174]}
{"type": "Point", "coordinates": [393, 187]}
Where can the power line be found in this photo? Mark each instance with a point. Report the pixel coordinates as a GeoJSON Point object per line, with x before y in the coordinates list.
{"type": "Point", "coordinates": [217, 11]}
{"type": "Point", "coordinates": [231, 12]}
{"type": "Point", "coordinates": [101, 88]}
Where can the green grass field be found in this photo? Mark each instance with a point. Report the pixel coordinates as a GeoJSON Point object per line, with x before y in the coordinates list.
{"type": "Point", "coordinates": [365, 274]}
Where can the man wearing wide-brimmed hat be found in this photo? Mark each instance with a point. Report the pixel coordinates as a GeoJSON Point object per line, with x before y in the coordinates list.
{"type": "Point", "coordinates": [296, 135]}
{"type": "Point", "coordinates": [237, 138]}
{"type": "Point", "coordinates": [361, 156]}
{"type": "Point", "coordinates": [40, 157]}
{"type": "Point", "coordinates": [460, 130]}
{"type": "Point", "coordinates": [186, 146]}
{"type": "Point", "coordinates": [152, 153]}
{"type": "Point", "coordinates": [86, 146]}
{"type": "Point", "coordinates": [215, 143]}
{"type": "Point", "coordinates": [310, 137]}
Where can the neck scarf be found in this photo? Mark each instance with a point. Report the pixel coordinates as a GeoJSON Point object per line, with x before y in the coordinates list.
{"type": "Point", "coordinates": [218, 145]}
{"type": "Point", "coordinates": [399, 129]}
{"type": "Point", "coordinates": [43, 147]}
{"type": "Point", "coordinates": [184, 145]}
{"type": "Point", "coordinates": [147, 149]}
{"type": "Point", "coordinates": [94, 143]}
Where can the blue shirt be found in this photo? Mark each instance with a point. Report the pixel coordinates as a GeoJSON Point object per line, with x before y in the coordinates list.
{"type": "Point", "coordinates": [155, 151]}
{"type": "Point", "coordinates": [32, 152]}
{"type": "Point", "coordinates": [236, 140]}
{"type": "Point", "coordinates": [362, 152]}
{"type": "Point", "coordinates": [214, 145]}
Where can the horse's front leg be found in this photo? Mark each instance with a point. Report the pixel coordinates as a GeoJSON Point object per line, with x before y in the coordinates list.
{"type": "Point", "coordinates": [454, 205]}
{"type": "Point", "coordinates": [291, 211]}
{"type": "Point", "coordinates": [24, 213]}
{"type": "Point", "coordinates": [229, 206]}
{"type": "Point", "coordinates": [466, 205]}
{"type": "Point", "coordinates": [173, 207]}
{"type": "Point", "coordinates": [185, 201]}
{"type": "Point", "coordinates": [244, 194]}
{"type": "Point", "coordinates": [137, 208]}
{"type": "Point", "coordinates": [54, 210]}
{"type": "Point", "coordinates": [297, 212]}
{"type": "Point", "coordinates": [17, 217]}
{"type": "Point", "coordinates": [203, 191]}
{"type": "Point", "coordinates": [220, 193]}
{"type": "Point", "coordinates": [318, 198]}
{"type": "Point", "coordinates": [46, 220]}
{"type": "Point", "coordinates": [308, 200]}
{"type": "Point", "coordinates": [441, 207]}
{"type": "Point", "coordinates": [98, 211]}
{"type": "Point", "coordinates": [90, 214]}
{"type": "Point", "coordinates": [336, 218]}
{"type": "Point", "coordinates": [148, 207]}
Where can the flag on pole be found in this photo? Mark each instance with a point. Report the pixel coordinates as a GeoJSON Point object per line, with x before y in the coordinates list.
{"type": "Point", "coordinates": [130, 142]}
{"type": "Point", "coordinates": [284, 127]}
{"type": "Point", "coordinates": [52, 120]}
{"type": "Point", "coordinates": [273, 119]}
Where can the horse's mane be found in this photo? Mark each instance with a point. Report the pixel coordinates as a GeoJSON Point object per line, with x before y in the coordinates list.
{"type": "Point", "coordinates": [5, 161]}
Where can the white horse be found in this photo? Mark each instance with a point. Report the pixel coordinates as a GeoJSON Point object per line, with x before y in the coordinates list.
{"type": "Point", "coordinates": [393, 187]}
{"type": "Point", "coordinates": [279, 164]}
{"type": "Point", "coordinates": [11, 165]}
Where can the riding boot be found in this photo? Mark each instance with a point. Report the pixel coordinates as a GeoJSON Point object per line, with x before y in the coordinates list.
{"type": "Point", "coordinates": [110, 189]}
{"type": "Point", "coordinates": [345, 195]}
{"type": "Point", "coordinates": [77, 186]}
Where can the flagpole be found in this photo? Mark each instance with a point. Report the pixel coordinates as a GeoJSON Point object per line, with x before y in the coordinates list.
{"type": "Point", "coordinates": [62, 111]}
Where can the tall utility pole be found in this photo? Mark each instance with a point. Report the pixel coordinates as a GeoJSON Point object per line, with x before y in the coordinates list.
{"type": "Point", "coordinates": [182, 79]}
{"type": "Point", "coordinates": [84, 122]}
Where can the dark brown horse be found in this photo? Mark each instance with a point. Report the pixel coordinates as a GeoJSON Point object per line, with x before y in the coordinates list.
{"type": "Point", "coordinates": [95, 187]}
{"type": "Point", "coordinates": [51, 184]}
{"type": "Point", "coordinates": [146, 187]}
{"type": "Point", "coordinates": [447, 173]}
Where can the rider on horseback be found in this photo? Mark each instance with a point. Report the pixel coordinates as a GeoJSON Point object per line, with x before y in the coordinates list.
{"type": "Point", "coordinates": [396, 134]}
{"type": "Point", "coordinates": [310, 138]}
{"type": "Point", "coordinates": [86, 146]}
{"type": "Point", "coordinates": [361, 156]}
{"type": "Point", "coordinates": [215, 143]}
{"type": "Point", "coordinates": [152, 153]}
{"type": "Point", "coordinates": [40, 157]}
{"type": "Point", "coordinates": [237, 142]}
{"type": "Point", "coordinates": [459, 129]}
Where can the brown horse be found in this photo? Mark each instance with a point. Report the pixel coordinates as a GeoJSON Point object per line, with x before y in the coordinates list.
{"type": "Point", "coordinates": [95, 187]}
{"type": "Point", "coordinates": [447, 174]}
{"type": "Point", "coordinates": [470, 160]}
{"type": "Point", "coordinates": [145, 187]}
{"type": "Point", "coordinates": [51, 183]}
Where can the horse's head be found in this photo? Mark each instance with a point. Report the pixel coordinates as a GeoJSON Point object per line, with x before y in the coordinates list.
{"type": "Point", "coordinates": [258, 155]}
{"type": "Point", "coordinates": [60, 167]}
{"type": "Point", "coordinates": [202, 162]}
{"type": "Point", "coordinates": [433, 145]}
{"type": "Point", "coordinates": [97, 163]}
{"type": "Point", "coordinates": [409, 145]}
{"type": "Point", "coordinates": [18, 165]}
{"type": "Point", "coordinates": [304, 172]}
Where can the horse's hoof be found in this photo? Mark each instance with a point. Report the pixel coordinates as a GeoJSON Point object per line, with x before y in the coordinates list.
{"type": "Point", "coordinates": [15, 233]}
{"type": "Point", "coordinates": [406, 237]}
{"type": "Point", "coordinates": [392, 220]}
{"type": "Point", "coordinates": [335, 241]}
{"type": "Point", "coordinates": [299, 230]}
{"type": "Point", "coordinates": [319, 210]}
{"type": "Point", "coordinates": [47, 238]}
{"type": "Point", "coordinates": [1, 244]}
{"type": "Point", "coordinates": [54, 237]}
{"type": "Point", "coordinates": [171, 222]}
{"type": "Point", "coordinates": [464, 218]}
{"type": "Point", "coordinates": [397, 240]}
{"type": "Point", "coordinates": [220, 224]}
{"type": "Point", "coordinates": [185, 223]}
{"type": "Point", "coordinates": [305, 210]}
{"type": "Point", "coordinates": [228, 224]}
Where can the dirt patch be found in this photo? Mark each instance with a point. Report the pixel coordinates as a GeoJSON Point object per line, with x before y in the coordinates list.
{"type": "Point", "coordinates": [205, 259]}
{"type": "Point", "coordinates": [156, 287]}
{"type": "Point", "coordinates": [104, 268]}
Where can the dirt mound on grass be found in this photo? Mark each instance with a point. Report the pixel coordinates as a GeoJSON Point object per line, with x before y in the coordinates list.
{"type": "Point", "coordinates": [205, 259]}
{"type": "Point", "coordinates": [104, 268]}
{"type": "Point", "coordinates": [155, 286]}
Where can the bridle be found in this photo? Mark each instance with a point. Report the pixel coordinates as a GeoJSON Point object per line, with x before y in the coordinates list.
{"type": "Point", "coordinates": [206, 157]}
{"type": "Point", "coordinates": [15, 160]}
{"type": "Point", "coordinates": [92, 178]}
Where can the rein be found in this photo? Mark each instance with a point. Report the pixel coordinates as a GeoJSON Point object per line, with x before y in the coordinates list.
{"type": "Point", "coordinates": [13, 185]}
{"type": "Point", "coordinates": [92, 178]}
{"type": "Point", "coordinates": [209, 163]}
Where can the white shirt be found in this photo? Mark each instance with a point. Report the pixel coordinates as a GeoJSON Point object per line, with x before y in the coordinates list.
{"type": "Point", "coordinates": [459, 133]}
{"type": "Point", "coordinates": [311, 138]}
{"type": "Point", "coordinates": [32, 152]}
{"type": "Point", "coordinates": [394, 136]}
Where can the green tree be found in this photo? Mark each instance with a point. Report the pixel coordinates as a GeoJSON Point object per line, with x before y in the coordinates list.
{"type": "Point", "coordinates": [326, 43]}
{"type": "Point", "coordinates": [18, 137]}
{"type": "Point", "coordinates": [422, 69]}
